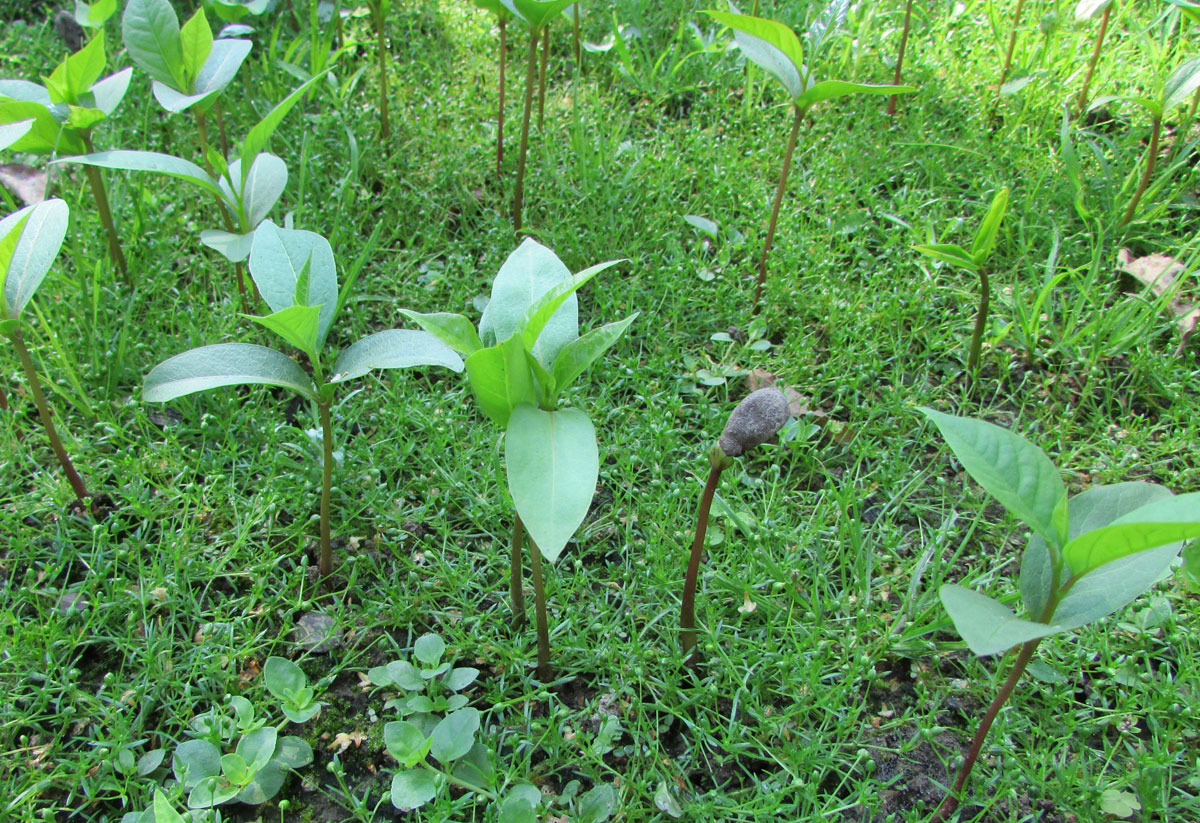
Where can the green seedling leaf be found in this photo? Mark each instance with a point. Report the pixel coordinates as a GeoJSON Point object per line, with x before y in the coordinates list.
{"type": "Point", "coordinates": [12, 132]}
{"type": "Point", "coordinates": [406, 742]}
{"type": "Point", "coordinates": [515, 808]}
{"type": "Point", "coordinates": [985, 238]}
{"type": "Point", "coordinates": [301, 715]}
{"type": "Point", "coordinates": [39, 232]}
{"type": "Point", "coordinates": [495, 7]}
{"type": "Point", "coordinates": [224, 364]}
{"type": "Point", "coordinates": [257, 139]}
{"type": "Point", "coordinates": [109, 92]}
{"type": "Point", "coordinates": [536, 13]}
{"type": "Point", "coordinates": [297, 325]}
{"type": "Point", "coordinates": [151, 33]}
{"type": "Point", "coordinates": [412, 789]}
{"type": "Point", "coordinates": [454, 330]}
{"type": "Point", "coordinates": [771, 46]}
{"type": "Point", "coordinates": [1113, 586]}
{"type": "Point", "coordinates": [578, 355]}
{"type": "Point", "coordinates": [150, 761]}
{"type": "Point", "coordinates": [988, 626]}
{"type": "Point", "coordinates": [500, 379]}
{"type": "Point", "coordinates": [283, 678]}
{"type": "Point", "coordinates": [1182, 84]}
{"type": "Point", "coordinates": [829, 21]}
{"type": "Point", "coordinates": [217, 72]}
{"type": "Point", "coordinates": [210, 792]}
{"type": "Point", "coordinates": [1091, 9]}
{"type": "Point", "coordinates": [279, 259]}
{"type": "Point", "coordinates": [293, 752]}
{"type": "Point", "coordinates": [82, 119]}
{"type": "Point", "coordinates": [703, 225]}
{"type": "Point", "coordinates": [261, 187]}
{"type": "Point", "coordinates": [164, 812]}
{"type": "Point", "coordinates": [196, 42]}
{"type": "Point", "coordinates": [456, 701]}
{"type": "Point", "coordinates": [393, 349]}
{"type": "Point", "coordinates": [256, 748]}
{"type": "Point", "coordinates": [527, 274]}
{"type": "Point", "coordinates": [96, 14]}
{"type": "Point", "coordinates": [432, 672]}
{"type": "Point", "coordinates": [1129, 504]}
{"type": "Point", "coordinates": [475, 767]}
{"type": "Point", "coordinates": [598, 804]}
{"type": "Point", "coordinates": [406, 676]}
{"type": "Point", "coordinates": [553, 464]}
{"type": "Point", "coordinates": [46, 135]}
{"type": "Point", "coordinates": [950, 253]}
{"type": "Point", "coordinates": [74, 76]}
{"type": "Point", "coordinates": [459, 678]}
{"type": "Point", "coordinates": [1011, 469]}
{"type": "Point", "coordinates": [233, 247]}
{"type": "Point", "coordinates": [536, 323]}
{"type": "Point", "coordinates": [235, 769]}
{"type": "Point", "coordinates": [1091, 551]}
{"type": "Point", "coordinates": [262, 785]}
{"type": "Point", "coordinates": [454, 736]}
{"type": "Point", "coordinates": [151, 161]}
{"type": "Point", "coordinates": [194, 761]}
{"type": "Point", "coordinates": [429, 649]}
{"type": "Point", "coordinates": [833, 89]}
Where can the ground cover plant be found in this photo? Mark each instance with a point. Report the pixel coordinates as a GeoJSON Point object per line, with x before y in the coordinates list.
{"type": "Point", "coordinates": [835, 683]}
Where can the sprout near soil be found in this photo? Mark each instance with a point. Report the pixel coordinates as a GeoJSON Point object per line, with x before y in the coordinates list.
{"type": "Point", "coordinates": [757, 419]}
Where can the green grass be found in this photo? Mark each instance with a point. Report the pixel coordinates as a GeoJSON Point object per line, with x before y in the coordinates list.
{"type": "Point", "coordinates": [844, 693]}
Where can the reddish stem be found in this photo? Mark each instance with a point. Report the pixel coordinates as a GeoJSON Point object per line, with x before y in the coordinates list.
{"type": "Point", "coordinates": [891, 109]}
{"type": "Point", "coordinates": [687, 613]}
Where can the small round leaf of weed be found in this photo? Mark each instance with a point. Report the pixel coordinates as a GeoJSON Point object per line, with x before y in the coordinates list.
{"type": "Point", "coordinates": [757, 419]}
{"type": "Point", "coordinates": [429, 648]}
{"type": "Point", "coordinates": [455, 734]}
{"type": "Point", "coordinates": [413, 789]}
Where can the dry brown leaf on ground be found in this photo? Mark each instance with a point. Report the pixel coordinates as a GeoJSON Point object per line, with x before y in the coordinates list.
{"type": "Point", "coordinates": [26, 183]}
{"type": "Point", "coordinates": [343, 741]}
{"type": "Point", "coordinates": [1161, 273]}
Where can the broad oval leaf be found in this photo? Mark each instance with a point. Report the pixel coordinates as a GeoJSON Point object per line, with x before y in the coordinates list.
{"type": "Point", "coordinates": [429, 649]}
{"type": "Point", "coordinates": [528, 273]}
{"type": "Point", "coordinates": [210, 792]}
{"type": "Point", "coordinates": [296, 325]}
{"type": "Point", "coordinates": [454, 330]}
{"type": "Point", "coordinates": [223, 364]}
{"type": "Point", "coordinates": [295, 267]}
{"type": "Point", "coordinates": [987, 625]}
{"type": "Point", "coordinates": [109, 92]}
{"type": "Point", "coordinates": [261, 188]}
{"type": "Point", "coordinates": [1011, 469]}
{"type": "Point", "coordinates": [553, 463]}
{"type": "Point", "coordinates": [150, 161]}
{"type": "Point", "coordinates": [217, 72]}
{"type": "Point", "coordinates": [581, 353]}
{"type": "Point", "coordinates": [233, 247]}
{"type": "Point", "coordinates": [293, 752]}
{"type": "Point", "coordinates": [151, 33]}
{"type": "Point", "coordinates": [194, 760]}
{"type": "Point", "coordinates": [12, 132]}
{"type": "Point", "coordinates": [500, 379]}
{"type": "Point", "coordinates": [412, 789]}
{"type": "Point", "coordinates": [770, 45]}
{"type": "Point", "coordinates": [264, 785]}
{"type": "Point", "coordinates": [405, 742]}
{"type": "Point", "coordinates": [283, 678]}
{"type": "Point", "coordinates": [496, 7]}
{"type": "Point", "coordinates": [536, 13]}
{"type": "Point", "coordinates": [393, 349]}
{"type": "Point", "coordinates": [42, 228]}
{"type": "Point", "coordinates": [196, 42]}
{"type": "Point", "coordinates": [1182, 83]}
{"type": "Point", "coordinates": [454, 735]}
{"type": "Point", "coordinates": [832, 89]}
{"type": "Point", "coordinates": [257, 747]}
{"type": "Point", "coordinates": [1090, 9]}
{"type": "Point", "coordinates": [1090, 551]}
{"type": "Point", "coordinates": [1113, 586]}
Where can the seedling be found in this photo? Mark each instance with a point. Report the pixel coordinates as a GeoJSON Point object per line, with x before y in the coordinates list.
{"type": "Point", "coordinates": [1089, 555]}
{"type": "Point", "coordinates": [1087, 10]}
{"type": "Point", "coordinates": [430, 687]}
{"type": "Point", "coordinates": [776, 49]}
{"type": "Point", "coordinates": [94, 15]}
{"type": "Point", "coordinates": [526, 353]}
{"type": "Point", "coordinates": [65, 111]}
{"type": "Point", "coordinates": [502, 17]}
{"type": "Point", "coordinates": [188, 67]}
{"type": "Point", "coordinates": [29, 242]}
{"type": "Point", "coordinates": [975, 260]}
{"type": "Point", "coordinates": [297, 277]}
{"type": "Point", "coordinates": [755, 420]}
{"type": "Point", "coordinates": [891, 109]}
{"type": "Point", "coordinates": [536, 14]}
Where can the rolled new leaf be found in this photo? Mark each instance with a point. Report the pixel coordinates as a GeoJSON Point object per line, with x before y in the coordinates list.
{"type": "Point", "coordinates": [757, 419]}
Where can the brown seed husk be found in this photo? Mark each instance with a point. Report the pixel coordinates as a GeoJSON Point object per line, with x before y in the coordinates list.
{"type": "Point", "coordinates": [757, 419]}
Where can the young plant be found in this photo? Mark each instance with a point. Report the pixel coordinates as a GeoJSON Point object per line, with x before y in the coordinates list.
{"type": "Point", "coordinates": [975, 260]}
{"type": "Point", "coordinates": [429, 685]}
{"type": "Point", "coordinates": [776, 49]}
{"type": "Point", "coordinates": [245, 190]}
{"type": "Point", "coordinates": [755, 420]}
{"type": "Point", "coordinates": [94, 15]}
{"type": "Point", "coordinates": [1087, 10]}
{"type": "Point", "coordinates": [29, 242]}
{"type": "Point", "coordinates": [297, 277]}
{"type": "Point", "coordinates": [503, 15]}
{"type": "Point", "coordinates": [891, 109]}
{"type": "Point", "coordinates": [188, 67]}
{"type": "Point", "coordinates": [1088, 556]}
{"type": "Point", "coordinates": [526, 353]}
{"type": "Point", "coordinates": [536, 14]}
{"type": "Point", "coordinates": [65, 111]}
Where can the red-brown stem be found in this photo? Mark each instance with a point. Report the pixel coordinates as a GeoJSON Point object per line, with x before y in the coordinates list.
{"type": "Point", "coordinates": [325, 563]}
{"type": "Point", "coordinates": [96, 181]}
{"type": "Point", "coordinates": [542, 76]}
{"type": "Point", "coordinates": [500, 117]}
{"type": "Point", "coordinates": [1091, 67]}
{"type": "Point", "coordinates": [385, 129]}
{"type": "Point", "coordinates": [1151, 159]}
{"type": "Point", "coordinates": [516, 586]}
{"type": "Point", "coordinates": [973, 354]}
{"type": "Point", "coordinates": [783, 175]}
{"type": "Point", "coordinates": [687, 613]}
{"type": "Point", "coordinates": [530, 80]}
{"type": "Point", "coordinates": [39, 400]}
{"type": "Point", "coordinates": [1012, 45]}
{"type": "Point", "coordinates": [3, 401]}
{"type": "Point", "coordinates": [891, 109]}
{"type": "Point", "coordinates": [950, 803]}
{"type": "Point", "coordinates": [544, 672]}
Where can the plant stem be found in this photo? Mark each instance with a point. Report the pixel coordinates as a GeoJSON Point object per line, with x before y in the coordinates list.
{"type": "Point", "coordinates": [530, 79]}
{"type": "Point", "coordinates": [516, 588]}
{"type": "Point", "coordinates": [891, 109]}
{"type": "Point", "coordinates": [39, 399]}
{"type": "Point", "coordinates": [985, 293]}
{"type": "Point", "coordinates": [542, 76]}
{"type": "Point", "coordinates": [500, 116]}
{"type": "Point", "coordinates": [1148, 172]}
{"type": "Point", "coordinates": [385, 129]}
{"type": "Point", "coordinates": [544, 672]}
{"type": "Point", "coordinates": [96, 181]}
{"type": "Point", "coordinates": [202, 132]}
{"type": "Point", "coordinates": [950, 803]}
{"type": "Point", "coordinates": [221, 128]}
{"type": "Point", "coordinates": [1091, 67]}
{"type": "Point", "coordinates": [575, 31]}
{"type": "Point", "coordinates": [798, 118]}
{"type": "Point", "coordinates": [687, 614]}
{"type": "Point", "coordinates": [3, 401]}
{"type": "Point", "coordinates": [1012, 45]}
{"type": "Point", "coordinates": [325, 563]}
